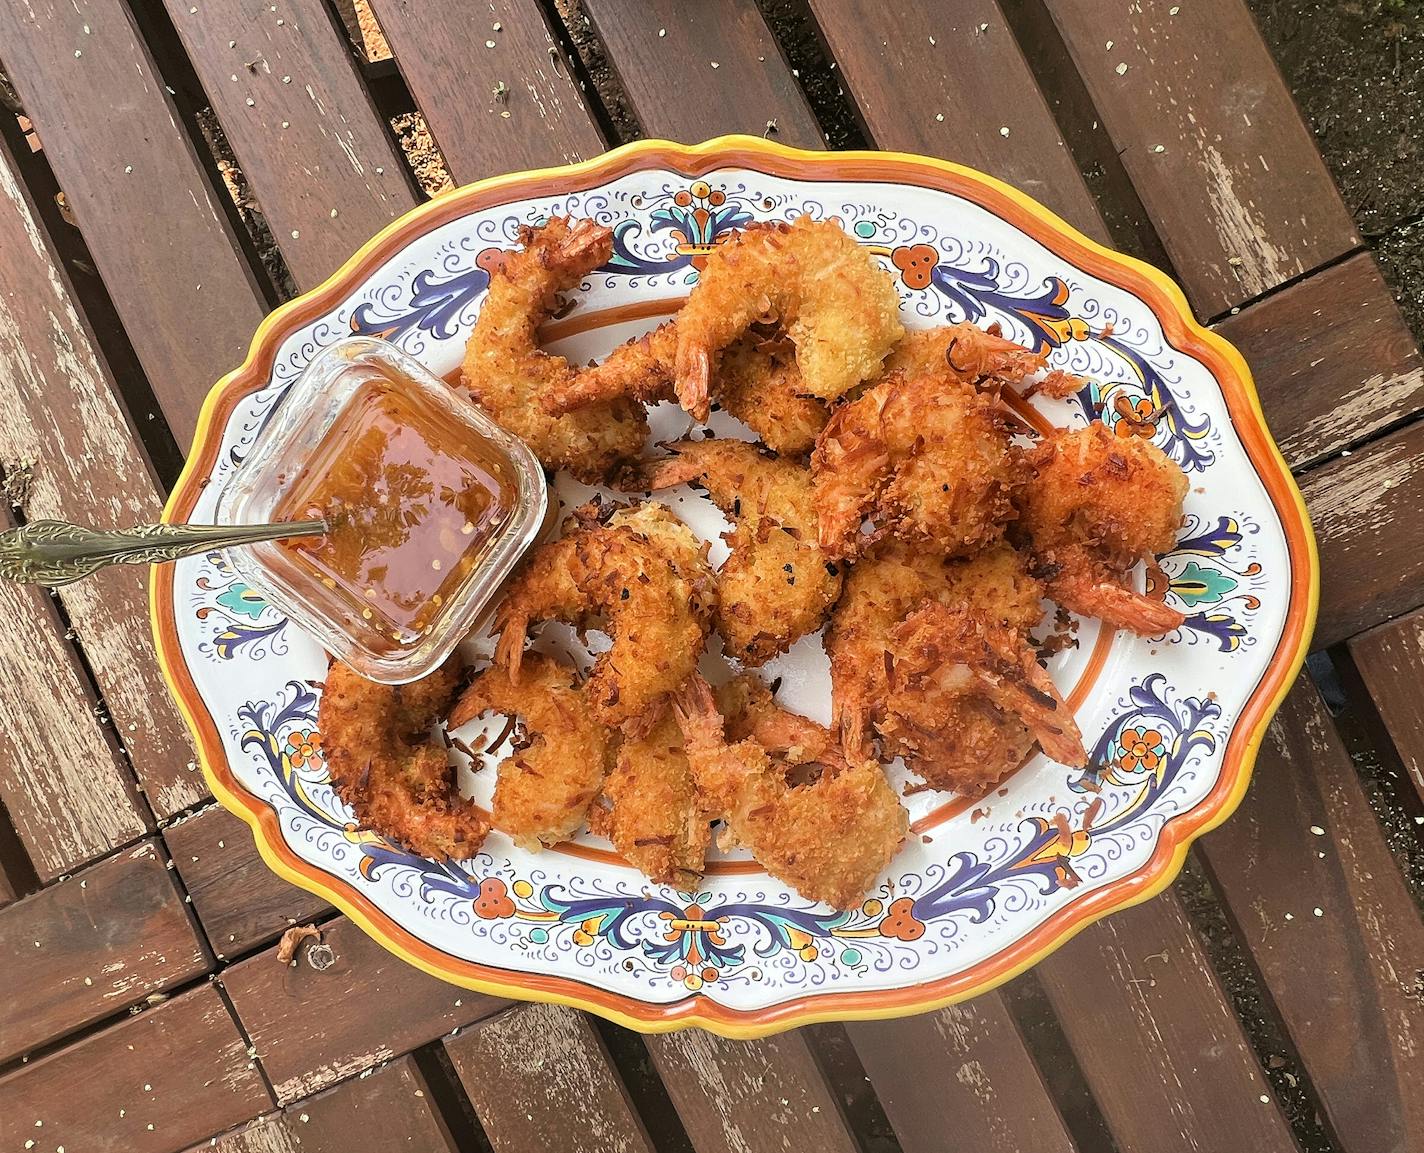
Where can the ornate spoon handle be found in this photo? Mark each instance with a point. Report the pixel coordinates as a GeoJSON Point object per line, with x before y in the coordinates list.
{"type": "Point", "coordinates": [55, 552]}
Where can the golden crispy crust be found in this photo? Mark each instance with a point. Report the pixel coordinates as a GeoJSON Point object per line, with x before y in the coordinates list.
{"type": "Point", "coordinates": [949, 732]}
{"type": "Point", "coordinates": [830, 839]}
{"type": "Point", "coordinates": [838, 307]}
{"type": "Point", "coordinates": [778, 584]}
{"type": "Point", "coordinates": [924, 458]}
{"type": "Point", "coordinates": [645, 574]}
{"type": "Point", "coordinates": [1098, 503]}
{"type": "Point", "coordinates": [547, 783]}
{"type": "Point", "coordinates": [654, 816]}
{"type": "Point", "coordinates": [384, 764]}
{"type": "Point", "coordinates": [507, 373]}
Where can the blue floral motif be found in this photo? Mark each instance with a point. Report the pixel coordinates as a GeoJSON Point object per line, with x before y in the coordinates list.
{"type": "Point", "coordinates": [1201, 576]}
{"type": "Point", "coordinates": [435, 306]}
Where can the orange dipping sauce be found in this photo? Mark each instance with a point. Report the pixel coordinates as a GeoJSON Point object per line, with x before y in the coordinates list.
{"type": "Point", "coordinates": [413, 503]}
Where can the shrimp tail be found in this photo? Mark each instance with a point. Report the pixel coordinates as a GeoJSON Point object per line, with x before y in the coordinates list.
{"type": "Point", "coordinates": [693, 380]}
{"type": "Point", "coordinates": [509, 651]}
{"type": "Point", "coordinates": [1125, 608]}
{"type": "Point", "coordinates": [695, 709]}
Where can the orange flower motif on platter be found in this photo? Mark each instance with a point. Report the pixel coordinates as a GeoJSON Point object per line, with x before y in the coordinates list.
{"type": "Point", "coordinates": [304, 748]}
{"type": "Point", "coordinates": [1141, 749]}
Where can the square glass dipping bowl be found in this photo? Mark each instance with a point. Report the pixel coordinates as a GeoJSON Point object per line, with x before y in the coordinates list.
{"type": "Point", "coordinates": [429, 504]}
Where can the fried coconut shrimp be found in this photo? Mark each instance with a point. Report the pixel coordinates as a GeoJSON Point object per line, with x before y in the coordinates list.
{"type": "Point", "coordinates": [829, 839]}
{"type": "Point", "coordinates": [545, 786]}
{"type": "Point", "coordinates": [950, 653]}
{"type": "Point", "coordinates": [969, 353]}
{"type": "Point", "coordinates": [385, 766]}
{"type": "Point", "coordinates": [757, 381]}
{"type": "Point", "coordinates": [645, 576]}
{"type": "Point", "coordinates": [1095, 506]}
{"type": "Point", "coordinates": [954, 731]}
{"type": "Point", "coordinates": [926, 458]}
{"type": "Point", "coordinates": [777, 585]}
{"type": "Point", "coordinates": [506, 372]}
{"type": "Point", "coordinates": [838, 307]}
{"type": "Point", "coordinates": [655, 817]}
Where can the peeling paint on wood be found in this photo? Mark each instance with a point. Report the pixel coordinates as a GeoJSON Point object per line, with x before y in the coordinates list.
{"type": "Point", "coordinates": [1332, 359]}
{"type": "Point", "coordinates": [963, 1070]}
{"type": "Point", "coordinates": [748, 1096]}
{"type": "Point", "coordinates": [182, 288]}
{"type": "Point", "coordinates": [1237, 191]}
{"type": "Point", "coordinates": [1371, 540]}
{"type": "Point", "coordinates": [60, 419]}
{"type": "Point", "coordinates": [1158, 1043]}
{"type": "Point", "coordinates": [62, 779]}
{"type": "Point", "coordinates": [540, 1078]}
{"type": "Point", "coordinates": [314, 1028]}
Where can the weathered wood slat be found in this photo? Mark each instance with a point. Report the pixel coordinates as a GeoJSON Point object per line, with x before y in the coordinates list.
{"type": "Point", "coordinates": [313, 1027]}
{"type": "Point", "coordinates": [964, 1071]}
{"type": "Point", "coordinates": [1390, 659]}
{"type": "Point", "coordinates": [63, 781]}
{"type": "Point", "coordinates": [697, 70]}
{"type": "Point", "coordinates": [388, 1112]}
{"type": "Point", "coordinates": [239, 900]}
{"type": "Point", "coordinates": [1318, 898]}
{"type": "Point", "coordinates": [91, 946]}
{"type": "Point", "coordinates": [1165, 1056]}
{"type": "Point", "coordinates": [154, 224]}
{"type": "Point", "coordinates": [1333, 360]}
{"type": "Point", "coordinates": [67, 446]}
{"type": "Point", "coordinates": [319, 161]}
{"type": "Point", "coordinates": [968, 69]}
{"type": "Point", "coordinates": [736, 1095]}
{"type": "Point", "coordinates": [540, 1078]}
{"type": "Point", "coordinates": [1364, 509]}
{"type": "Point", "coordinates": [1212, 141]}
{"type": "Point", "coordinates": [154, 1083]}
{"type": "Point", "coordinates": [455, 57]}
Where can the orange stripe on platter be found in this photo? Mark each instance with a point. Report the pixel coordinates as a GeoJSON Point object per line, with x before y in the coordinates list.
{"type": "Point", "coordinates": [1182, 333]}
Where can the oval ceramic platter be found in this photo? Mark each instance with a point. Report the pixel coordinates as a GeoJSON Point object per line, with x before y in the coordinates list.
{"type": "Point", "coordinates": [985, 885]}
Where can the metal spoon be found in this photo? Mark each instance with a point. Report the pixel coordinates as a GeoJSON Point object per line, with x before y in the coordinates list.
{"type": "Point", "coordinates": [55, 552]}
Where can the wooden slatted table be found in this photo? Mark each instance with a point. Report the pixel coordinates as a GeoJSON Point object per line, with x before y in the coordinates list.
{"type": "Point", "coordinates": [214, 153]}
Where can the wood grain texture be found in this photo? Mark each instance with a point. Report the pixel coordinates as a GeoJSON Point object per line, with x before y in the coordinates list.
{"type": "Point", "coordinates": [314, 1027]}
{"type": "Point", "coordinates": [1331, 926]}
{"type": "Point", "coordinates": [540, 1078]}
{"type": "Point", "coordinates": [63, 781]}
{"type": "Point", "coordinates": [154, 225]}
{"type": "Point", "coordinates": [1390, 659]}
{"type": "Point", "coordinates": [1163, 1053]}
{"type": "Point", "coordinates": [314, 151]}
{"type": "Point", "coordinates": [65, 432]}
{"type": "Point", "coordinates": [445, 54]}
{"type": "Point", "coordinates": [1238, 192]}
{"type": "Point", "coordinates": [738, 1095]}
{"type": "Point", "coordinates": [1332, 359]}
{"type": "Point", "coordinates": [968, 71]}
{"type": "Point", "coordinates": [1371, 539]}
{"type": "Point", "coordinates": [153, 1083]}
{"type": "Point", "coordinates": [269, 1134]}
{"type": "Point", "coordinates": [93, 945]}
{"type": "Point", "coordinates": [697, 70]}
{"type": "Point", "coordinates": [962, 1070]}
{"type": "Point", "coordinates": [239, 900]}
{"type": "Point", "coordinates": [388, 1112]}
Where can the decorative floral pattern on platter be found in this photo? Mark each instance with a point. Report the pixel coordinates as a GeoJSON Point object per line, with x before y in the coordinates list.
{"type": "Point", "coordinates": [1160, 717]}
{"type": "Point", "coordinates": [697, 939]}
